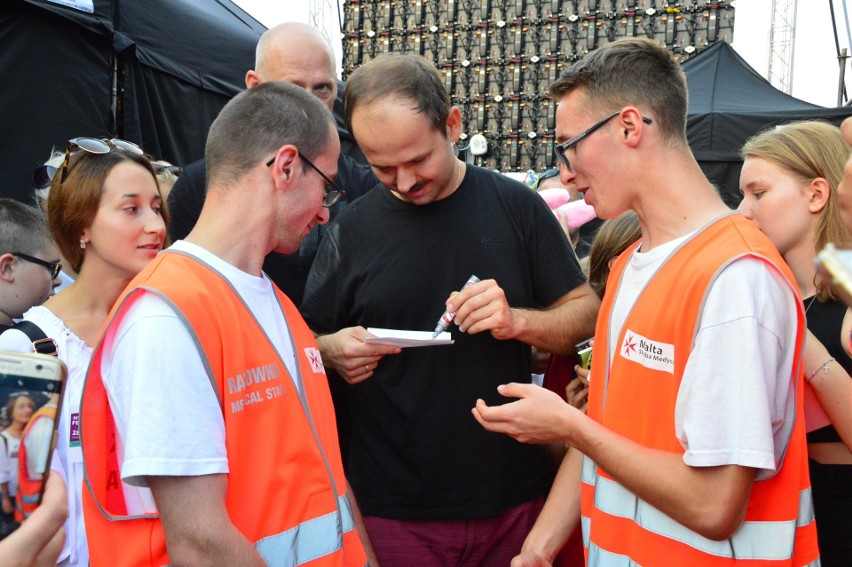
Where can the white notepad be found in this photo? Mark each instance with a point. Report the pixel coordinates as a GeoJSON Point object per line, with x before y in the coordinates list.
{"type": "Point", "coordinates": [404, 339]}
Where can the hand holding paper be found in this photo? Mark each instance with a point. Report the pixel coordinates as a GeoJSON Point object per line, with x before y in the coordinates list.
{"type": "Point", "coordinates": [346, 352]}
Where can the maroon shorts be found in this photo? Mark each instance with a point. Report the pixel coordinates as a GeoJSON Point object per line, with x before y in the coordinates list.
{"type": "Point", "coordinates": [485, 542]}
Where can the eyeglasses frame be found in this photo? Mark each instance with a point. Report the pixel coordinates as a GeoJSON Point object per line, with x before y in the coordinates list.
{"type": "Point", "coordinates": [54, 267]}
{"type": "Point", "coordinates": [561, 150]}
{"type": "Point", "coordinates": [330, 197]}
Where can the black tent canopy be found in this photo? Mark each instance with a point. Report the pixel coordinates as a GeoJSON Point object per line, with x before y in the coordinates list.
{"type": "Point", "coordinates": [158, 72]}
{"type": "Point", "coordinates": [728, 103]}
{"type": "Point", "coordinates": [154, 72]}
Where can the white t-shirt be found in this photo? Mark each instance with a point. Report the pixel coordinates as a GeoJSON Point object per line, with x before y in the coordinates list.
{"type": "Point", "coordinates": [167, 416]}
{"type": "Point", "coordinates": [67, 459]}
{"type": "Point", "coordinates": [736, 403]}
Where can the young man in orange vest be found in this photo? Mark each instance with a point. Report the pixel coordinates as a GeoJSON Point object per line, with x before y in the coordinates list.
{"type": "Point", "coordinates": [207, 427]}
{"type": "Point", "coordinates": [693, 451]}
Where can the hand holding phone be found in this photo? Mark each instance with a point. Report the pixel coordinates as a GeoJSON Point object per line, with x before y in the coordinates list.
{"type": "Point", "coordinates": [584, 353]}
{"type": "Point", "coordinates": [31, 391]}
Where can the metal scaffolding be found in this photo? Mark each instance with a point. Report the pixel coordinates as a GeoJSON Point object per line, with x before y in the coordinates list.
{"type": "Point", "coordinates": [325, 16]}
{"type": "Point", "coordinates": [782, 44]}
{"type": "Point", "coordinates": [497, 57]}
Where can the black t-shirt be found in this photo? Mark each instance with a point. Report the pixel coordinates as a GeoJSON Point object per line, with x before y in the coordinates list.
{"type": "Point", "coordinates": [825, 321]}
{"type": "Point", "coordinates": [289, 272]}
{"type": "Point", "coordinates": [416, 452]}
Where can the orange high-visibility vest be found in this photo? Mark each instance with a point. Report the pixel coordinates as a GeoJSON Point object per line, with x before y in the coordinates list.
{"type": "Point", "coordinates": [29, 489]}
{"type": "Point", "coordinates": [287, 492]}
{"type": "Point", "coordinates": [635, 393]}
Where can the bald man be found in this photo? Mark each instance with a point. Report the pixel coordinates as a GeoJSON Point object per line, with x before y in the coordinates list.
{"type": "Point", "coordinates": [296, 53]}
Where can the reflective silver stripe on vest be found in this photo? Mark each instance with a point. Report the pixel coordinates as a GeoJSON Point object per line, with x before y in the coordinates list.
{"type": "Point", "coordinates": [585, 524]}
{"type": "Point", "coordinates": [587, 477]}
{"type": "Point", "coordinates": [806, 508]}
{"type": "Point", "coordinates": [29, 499]}
{"type": "Point", "coordinates": [17, 506]}
{"type": "Point", "coordinates": [601, 557]}
{"type": "Point", "coordinates": [589, 472]}
{"type": "Point", "coordinates": [752, 540]}
{"type": "Point", "coordinates": [309, 540]}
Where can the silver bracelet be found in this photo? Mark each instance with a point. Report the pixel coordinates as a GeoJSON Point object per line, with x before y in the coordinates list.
{"type": "Point", "coordinates": [824, 368]}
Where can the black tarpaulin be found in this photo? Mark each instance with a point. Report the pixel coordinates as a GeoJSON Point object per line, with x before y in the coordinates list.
{"type": "Point", "coordinates": [172, 64]}
{"type": "Point", "coordinates": [728, 103]}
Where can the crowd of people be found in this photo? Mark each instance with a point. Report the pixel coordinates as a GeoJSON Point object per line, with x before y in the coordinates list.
{"type": "Point", "coordinates": [223, 405]}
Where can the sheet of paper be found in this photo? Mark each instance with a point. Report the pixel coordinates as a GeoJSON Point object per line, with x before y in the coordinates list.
{"type": "Point", "coordinates": [835, 264]}
{"type": "Point", "coordinates": [404, 339]}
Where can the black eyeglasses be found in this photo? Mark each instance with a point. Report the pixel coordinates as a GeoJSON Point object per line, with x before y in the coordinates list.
{"type": "Point", "coordinates": [54, 267]}
{"type": "Point", "coordinates": [96, 146]}
{"type": "Point", "coordinates": [561, 150]}
{"type": "Point", "coordinates": [331, 196]}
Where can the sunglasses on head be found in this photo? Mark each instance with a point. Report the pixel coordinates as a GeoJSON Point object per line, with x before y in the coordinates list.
{"type": "Point", "coordinates": [43, 175]}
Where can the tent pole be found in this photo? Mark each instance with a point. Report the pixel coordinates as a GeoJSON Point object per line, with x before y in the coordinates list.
{"type": "Point", "coordinates": [117, 96]}
{"type": "Point", "coordinates": [841, 84]}
{"type": "Point", "coordinates": [114, 95]}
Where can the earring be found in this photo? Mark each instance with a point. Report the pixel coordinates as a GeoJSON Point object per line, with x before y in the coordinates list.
{"type": "Point", "coordinates": [82, 243]}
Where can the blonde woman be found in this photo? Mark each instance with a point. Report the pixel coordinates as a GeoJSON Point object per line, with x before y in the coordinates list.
{"type": "Point", "coordinates": [789, 183]}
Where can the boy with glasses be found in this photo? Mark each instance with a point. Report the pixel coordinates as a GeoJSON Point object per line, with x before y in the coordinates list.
{"type": "Point", "coordinates": [29, 264]}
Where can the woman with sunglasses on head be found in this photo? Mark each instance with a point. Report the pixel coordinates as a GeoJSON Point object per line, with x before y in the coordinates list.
{"type": "Point", "coordinates": [105, 215]}
{"type": "Point", "coordinates": [789, 183]}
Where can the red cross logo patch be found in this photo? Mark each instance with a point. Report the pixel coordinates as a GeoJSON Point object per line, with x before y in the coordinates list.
{"type": "Point", "coordinates": [315, 360]}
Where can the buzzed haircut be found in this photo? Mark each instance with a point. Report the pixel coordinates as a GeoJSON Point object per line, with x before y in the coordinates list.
{"type": "Point", "coordinates": [406, 77]}
{"type": "Point", "coordinates": [22, 228]}
{"type": "Point", "coordinates": [631, 71]}
{"type": "Point", "coordinates": [257, 122]}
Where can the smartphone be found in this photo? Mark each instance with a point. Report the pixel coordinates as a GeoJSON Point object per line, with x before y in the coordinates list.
{"type": "Point", "coordinates": [584, 353]}
{"type": "Point", "coordinates": [31, 392]}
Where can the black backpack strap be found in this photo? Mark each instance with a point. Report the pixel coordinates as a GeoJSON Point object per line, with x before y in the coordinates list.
{"type": "Point", "coordinates": [41, 343]}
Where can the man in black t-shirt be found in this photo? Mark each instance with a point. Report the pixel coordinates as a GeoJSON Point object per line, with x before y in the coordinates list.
{"type": "Point", "coordinates": [434, 488]}
{"type": "Point", "coordinates": [298, 54]}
